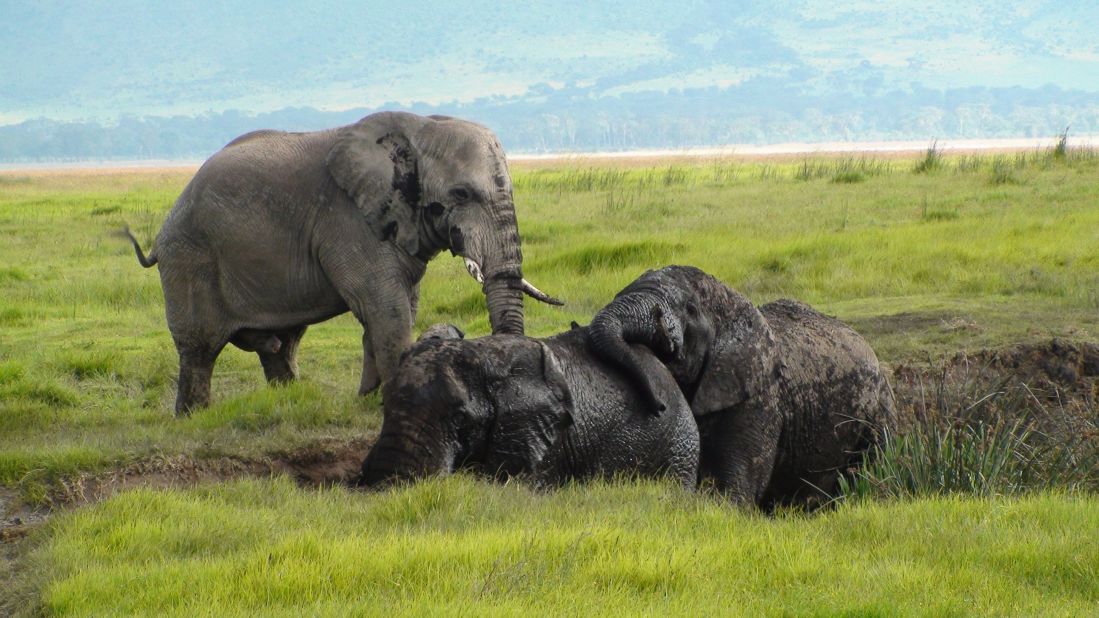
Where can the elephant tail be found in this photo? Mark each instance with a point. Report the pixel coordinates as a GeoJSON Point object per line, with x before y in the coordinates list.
{"type": "Point", "coordinates": [146, 262]}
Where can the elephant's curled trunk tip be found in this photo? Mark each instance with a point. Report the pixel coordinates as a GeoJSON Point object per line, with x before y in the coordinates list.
{"type": "Point", "coordinates": [146, 262]}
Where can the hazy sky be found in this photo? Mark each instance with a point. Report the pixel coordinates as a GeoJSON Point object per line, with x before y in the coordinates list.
{"type": "Point", "coordinates": [99, 60]}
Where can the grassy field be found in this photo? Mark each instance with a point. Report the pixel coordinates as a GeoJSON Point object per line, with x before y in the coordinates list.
{"type": "Point", "coordinates": [460, 547]}
{"type": "Point", "coordinates": [925, 258]}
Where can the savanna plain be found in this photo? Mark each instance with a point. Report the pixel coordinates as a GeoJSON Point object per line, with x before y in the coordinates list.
{"type": "Point", "coordinates": [975, 278]}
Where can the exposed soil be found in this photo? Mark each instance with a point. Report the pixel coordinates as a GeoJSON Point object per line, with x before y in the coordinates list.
{"type": "Point", "coordinates": [910, 321]}
{"type": "Point", "coordinates": [330, 462]}
{"type": "Point", "coordinates": [1066, 371]}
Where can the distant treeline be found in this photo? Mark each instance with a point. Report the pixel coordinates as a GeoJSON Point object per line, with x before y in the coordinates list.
{"type": "Point", "coordinates": [548, 120]}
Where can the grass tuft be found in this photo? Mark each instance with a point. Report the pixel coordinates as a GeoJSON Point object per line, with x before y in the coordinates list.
{"type": "Point", "coordinates": [12, 273]}
{"type": "Point", "coordinates": [90, 364]}
{"type": "Point", "coordinates": [100, 211]}
{"type": "Point", "coordinates": [1003, 172]}
{"type": "Point", "coordinates": [932, 159]}
{"type": "Point", "coordinates": [1060, 149]}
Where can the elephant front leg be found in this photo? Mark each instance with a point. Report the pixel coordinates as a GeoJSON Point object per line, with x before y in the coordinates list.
{"type": "Point", "coordinates": [414, 303]}
{"type": "Point", "coordinates": [739, 448]}
{"type": "Point", "coordinates": [381, 301]}
{"type": "Point", "coordinates": [370, 379]}
{"type": "Point", "coordinates": [388, 342]}
{"type": "Point", "coordinates": [387, 333]}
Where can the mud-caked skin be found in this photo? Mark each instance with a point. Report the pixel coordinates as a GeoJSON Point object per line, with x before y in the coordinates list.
{"type": "Point", "coordinates": [835, 400]}
{"type": "Point", "coordinates": [786, 399]}
{"type": "Point", "coordinates": [279, 230]}
{"type": "Point", "coordinates": [442, 331]}
{"type": "Point", "coordinates": [545, 409]}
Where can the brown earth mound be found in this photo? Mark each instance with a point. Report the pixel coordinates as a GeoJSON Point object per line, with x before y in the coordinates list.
{"type": "Point", "coordinates": [1063, 370]}
{"type": "Point", "coordinates": [1049, 391]}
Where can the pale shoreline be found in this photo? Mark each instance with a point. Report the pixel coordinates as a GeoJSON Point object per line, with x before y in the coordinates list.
{"type": "Point", "coordinates": [740, 151]}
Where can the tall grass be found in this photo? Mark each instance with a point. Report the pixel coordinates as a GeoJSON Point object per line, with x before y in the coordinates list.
{"type": "Point", "coordinates": [844, 170]}
{"type": "Point", "coordinates": [975, 431]}
{"type": "Point", "coordinates": [932, 159]}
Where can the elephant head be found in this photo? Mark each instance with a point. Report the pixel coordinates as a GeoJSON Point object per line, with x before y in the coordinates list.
{"type": "Point", "coordinates": [497, 403]}
{"type": "Point", "coordinates": [717, 346]}
{"type": "Point", "coordinates": [433, 183]}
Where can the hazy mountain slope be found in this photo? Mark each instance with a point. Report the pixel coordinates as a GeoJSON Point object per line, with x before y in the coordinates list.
{"type": "Point", "coordinates": [560, 75]}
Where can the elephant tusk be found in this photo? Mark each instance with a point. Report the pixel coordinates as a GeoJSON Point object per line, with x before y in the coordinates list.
{"type": "Point", "coordinates": [528, 287]}
{"type": "Point", "coordinates": [475, 271]}
{"type": "Point", "coordinates": [537, 294]}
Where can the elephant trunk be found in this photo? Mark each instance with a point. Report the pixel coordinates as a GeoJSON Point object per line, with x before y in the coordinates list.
{"type": "Point", "coordinates": [505, 306]}
{"type": "Point", "coordinates": [503, 276]}
{"type": "Point", "coordinates": [494, 259]}
{"type": "Point", "coordinates": [628, 319]}
{"type": "Point", "coordinates": [402, 452]}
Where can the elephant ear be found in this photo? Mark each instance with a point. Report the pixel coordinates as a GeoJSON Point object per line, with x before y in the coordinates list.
{"type": "Point", "coordinates": [375, 163]}
{"type": "Point", "coordinates": [740, 366]}
{"type": "Point", "coordinates": [559, 387]}
{"type": "Point", "coordinates": [524, 434]}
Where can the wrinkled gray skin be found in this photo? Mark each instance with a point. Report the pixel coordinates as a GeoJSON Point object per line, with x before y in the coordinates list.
{"type": "Point", "coordinates": [786, 399]}
{"type": "Point", "coordinates": [546, 409]}
{"type": "Point", "coordinates": [442, 331]}
{"type": "Point", "coordinates": [281, 230]}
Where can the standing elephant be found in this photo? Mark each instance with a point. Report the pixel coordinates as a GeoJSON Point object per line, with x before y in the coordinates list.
{"type": "Point", "coordinates": [281, 230]}
{"type": "Point", "coordinates": [511, 405]}
{"type": "Point", "coordinates": [786, 398]}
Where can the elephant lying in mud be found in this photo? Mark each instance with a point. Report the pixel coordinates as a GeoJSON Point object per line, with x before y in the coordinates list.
{"type": "Point", "coordinates": [547, 409]}
{"type": "Point", "coordinates": [278, 231]}
{"type": "Point", "coordinates": [786, 399]}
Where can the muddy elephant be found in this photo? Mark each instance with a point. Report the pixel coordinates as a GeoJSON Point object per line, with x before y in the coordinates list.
{"type": "Point", "coordinates": [786, 399]}
{"type": "Point", "coordinates": [548, 410]}
{"type": "Point", "coordinates": [279, 230]}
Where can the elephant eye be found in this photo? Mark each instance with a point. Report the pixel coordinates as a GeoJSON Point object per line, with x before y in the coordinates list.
{"type": "Point", "coordinates": [460, 193]}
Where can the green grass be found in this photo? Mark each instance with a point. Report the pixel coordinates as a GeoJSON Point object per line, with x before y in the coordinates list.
{"type": "Point", "coordinates": [463, 547]}
{"type": "Point", "coordinates": [970, 252]}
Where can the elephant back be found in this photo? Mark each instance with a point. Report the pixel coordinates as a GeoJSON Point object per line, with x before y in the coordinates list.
{"type": "Point", "coordinates": [613, 430]}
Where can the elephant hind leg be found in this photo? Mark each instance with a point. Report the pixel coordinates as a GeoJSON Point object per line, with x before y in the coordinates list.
{"type": "Point", "coordinates": [196, 367]}
{"type": "Point", "coordinates": [280, 363]}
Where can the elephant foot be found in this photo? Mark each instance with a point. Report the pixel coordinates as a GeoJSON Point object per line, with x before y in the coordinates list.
{"type": "Point", "coordinates": [277, 369]}
{"type": "Point", "coordinates": [369, 385]}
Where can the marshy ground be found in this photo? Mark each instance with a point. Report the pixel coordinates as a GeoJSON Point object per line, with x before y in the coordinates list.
{"type": "Point", "coordinates": [975, 277]}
